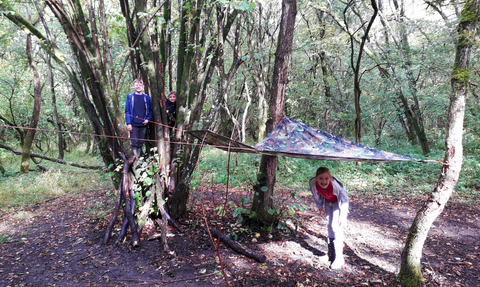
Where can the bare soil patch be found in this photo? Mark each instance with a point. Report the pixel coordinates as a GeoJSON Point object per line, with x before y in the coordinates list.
{"type": "Point", "coordinates": [58, 243]}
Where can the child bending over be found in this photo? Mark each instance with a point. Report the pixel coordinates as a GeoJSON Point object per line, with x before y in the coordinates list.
{"type": "Point", "coordinates": [331, 198]}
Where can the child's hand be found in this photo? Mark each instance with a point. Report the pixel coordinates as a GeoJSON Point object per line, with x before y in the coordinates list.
{"type": "Point", "coordinates": [322, 212]}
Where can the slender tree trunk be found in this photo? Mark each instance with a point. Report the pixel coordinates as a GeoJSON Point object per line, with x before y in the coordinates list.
{"type": "Point", "coordinates": [259, 74]}
{"type": "Point", "coordinates": [107, 61]}
{"type": "Point", "coordinates": [356, 70]}
{"type": "Point", "coordinates": [37, 92]}
{"type": "Point", "coordinates": [411, 110]}
{"type": "Point", "coordinates": [61, 147]}
{"type": "Point", "coordinates": [48, 61]}
{"type": "Point", "coordinates": [245, 112]}
{"type": "Point", "coordinates": [263, 197]}
{"type": "Point", "coordinates": [410, 271]}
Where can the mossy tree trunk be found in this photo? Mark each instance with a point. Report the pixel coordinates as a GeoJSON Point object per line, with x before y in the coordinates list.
{"type": "Point", "coordinates": [263, 204]}
{"type": "Point", "coordinates": [37, 95]}
{"type": "Point", "coordinates": [410, 271]}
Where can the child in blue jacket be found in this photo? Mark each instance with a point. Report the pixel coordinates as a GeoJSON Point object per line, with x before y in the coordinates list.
{"type": "Point", "coordinates": [138, 112]}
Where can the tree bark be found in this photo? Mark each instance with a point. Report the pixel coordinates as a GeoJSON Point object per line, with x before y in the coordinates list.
{"type": "Point", "coordinates": [37, 92]}
{"type": "Point", "coordinates": [410, 271]}
{"type": "Point", "coordinates": [263, 191]}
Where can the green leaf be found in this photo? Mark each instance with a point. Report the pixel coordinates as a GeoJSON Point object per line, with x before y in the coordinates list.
{"type": "Point", "coordinates": [291, 211]}
{"type": "Point", "coordinates": [271, 211]}
{"type": "Point", "coordinates": [207, 107]}
{"type": "Point", "coordinates": [239, 211]}
{"type": "Point", "coordinates": [148, 181]}
{"type": "Point", "coordinates": [264, 188]}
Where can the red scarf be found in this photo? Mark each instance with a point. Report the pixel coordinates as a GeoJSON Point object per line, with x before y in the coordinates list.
{"type": "Point", "coordinates": [327, 193]}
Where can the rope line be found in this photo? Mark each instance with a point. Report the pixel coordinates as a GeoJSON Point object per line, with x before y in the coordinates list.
{"type": "Point", "coordinates": [150, 140]}
{"type": "Point", "coordinates": [112, 137]}
{"type": "Point", "coordinates": [160, 124]}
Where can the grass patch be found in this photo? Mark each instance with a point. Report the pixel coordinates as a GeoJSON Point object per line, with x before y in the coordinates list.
{"type": "Point", "coordinates": [22, 189]}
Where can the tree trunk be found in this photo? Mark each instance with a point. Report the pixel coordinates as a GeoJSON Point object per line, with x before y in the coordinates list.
{"type": "Point", "coordinates": [411, 111]}
{"type": "Point", "coordinates": [201, 80]}
{"type": "Point", "coordinates": [37, 92]}
{"type": "Point", "coordinates": [61, 147]}
{"type": "Point", "coordinates": [263, 196]}
{"type": "Point", "coordinates": [410, 271]}
{"type": "Point", "coordinates": [259, 74]}
{"type": "Point", "coordinates": [48, 61]}
{"type": "Point", "coordinates": [356, 70]}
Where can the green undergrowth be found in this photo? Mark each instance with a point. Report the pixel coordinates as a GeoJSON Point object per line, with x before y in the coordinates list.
{"type": "Point", "coordinates": [377, 178]}
{"type": "Point", "coordinates": [22, 189]}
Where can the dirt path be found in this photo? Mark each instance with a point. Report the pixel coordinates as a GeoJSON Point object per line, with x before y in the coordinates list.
{"type": "Point", "coordinates": [57, 243]}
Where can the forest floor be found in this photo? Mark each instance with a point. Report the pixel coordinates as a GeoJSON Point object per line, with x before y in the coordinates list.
{"type": "Point", "coordinates": [58, 243]}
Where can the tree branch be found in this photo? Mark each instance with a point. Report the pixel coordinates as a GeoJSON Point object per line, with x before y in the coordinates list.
{"type": "Point", "coordinates": [60, 161]}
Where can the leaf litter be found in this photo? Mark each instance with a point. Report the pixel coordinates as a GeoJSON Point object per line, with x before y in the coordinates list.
{"type": "Point", "coordinates": [58, 243]}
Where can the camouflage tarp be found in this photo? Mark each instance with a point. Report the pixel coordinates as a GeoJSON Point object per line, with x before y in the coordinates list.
{"type": "Point", "coordinates": [295, 139]}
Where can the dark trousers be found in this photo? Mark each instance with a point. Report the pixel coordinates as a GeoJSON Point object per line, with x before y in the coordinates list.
{"type": "Point", "coordinates": [137, 136]}
{"type": "Point", "coordinates": [151, 136]}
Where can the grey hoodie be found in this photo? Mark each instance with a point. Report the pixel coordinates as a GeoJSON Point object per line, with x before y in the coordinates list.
{"type": "Point", "coordinates": [340, 192]}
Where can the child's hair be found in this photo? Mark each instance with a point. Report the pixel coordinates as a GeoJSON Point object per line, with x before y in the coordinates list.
{"type": "Point", "coordinates": [137, 80]}
{"type": "Point", "coordinates": [322, 170]}
{"type": "Point", "coordinates": [172, 92]}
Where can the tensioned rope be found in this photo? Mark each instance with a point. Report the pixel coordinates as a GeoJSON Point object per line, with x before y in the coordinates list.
{"type": "Point", "coordinates": [151, 140]}
{"type": "Point", "coordinates": [111, 136]}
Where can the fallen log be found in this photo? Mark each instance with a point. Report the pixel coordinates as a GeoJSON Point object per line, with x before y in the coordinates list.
{"type": "Point", "coordinates": [238, 248]}
{"type": "Point", "coordinates": [60, 161]}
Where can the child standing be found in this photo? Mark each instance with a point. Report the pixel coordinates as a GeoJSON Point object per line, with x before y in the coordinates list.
{"type": "Point", "coordinates": [331, 198]}
{"type": "Point", "coordinates": [138, 112]}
